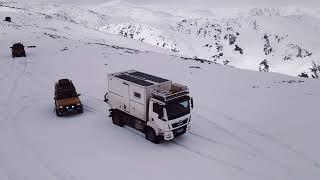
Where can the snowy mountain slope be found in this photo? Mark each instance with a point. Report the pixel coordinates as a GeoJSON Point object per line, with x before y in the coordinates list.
{"type": "Point", "coordinates": [246, 125]}
{"type": "Point", "coordinates": [286, 38]}
{"type": "Point", "coordinates": [243, 43]}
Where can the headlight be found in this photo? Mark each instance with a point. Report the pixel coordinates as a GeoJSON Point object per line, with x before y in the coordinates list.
{"type": "Point", "coordinates": [79, 104]}
{"type": "Point", "coordinates": [67, 107]}
{"type": "Point", "coordinates": [72, 106]}
{"type": "Point", "coordinates": [61, 107]}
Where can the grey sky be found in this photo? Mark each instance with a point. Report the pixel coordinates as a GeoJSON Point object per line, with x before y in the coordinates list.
{"type": "Point", "coordinates": [234, 3]}
{"type": "Point", "coordinates": [212, 3]}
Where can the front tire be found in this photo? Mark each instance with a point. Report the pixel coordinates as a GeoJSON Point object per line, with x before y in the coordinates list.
{"type": "Point", "coordinates": [152, 136]}
{"type": "Point", "coordinates": [80, 111]}
{"type": "Point", "coordinates": [58, 113]}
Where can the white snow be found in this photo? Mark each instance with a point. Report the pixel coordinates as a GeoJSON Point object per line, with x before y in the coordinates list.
{"type": "Point", "coordinates": [245, 125]}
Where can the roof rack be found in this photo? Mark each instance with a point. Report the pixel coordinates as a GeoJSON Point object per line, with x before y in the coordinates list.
{"type": "Point", "coordinates": [176, 91]}
{"type": "Point", "coordinates": [65, 84]}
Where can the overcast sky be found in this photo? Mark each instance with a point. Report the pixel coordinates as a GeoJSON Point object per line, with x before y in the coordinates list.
{"type": "Point", "coordinates": [235, 3]}
{"type": "Point", "coordinates": [215, 3]}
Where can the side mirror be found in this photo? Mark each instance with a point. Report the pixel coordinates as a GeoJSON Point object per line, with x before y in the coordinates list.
{"type": "Point", "coordinates": [79, 95]}
{"type": "Point", "coordinates": [191, 101]}
{"type": "Point", "coordinates": [106, 98]}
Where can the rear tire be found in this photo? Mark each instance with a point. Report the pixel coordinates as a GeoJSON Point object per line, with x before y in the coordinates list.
{"type": "Point", "coordinates": [116, 119]}
{"type": "Point", "coordinates": [152, 136]}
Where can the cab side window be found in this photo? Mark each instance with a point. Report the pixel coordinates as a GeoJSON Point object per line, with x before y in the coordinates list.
{"type": "Point", "coordinates": [158, 109]}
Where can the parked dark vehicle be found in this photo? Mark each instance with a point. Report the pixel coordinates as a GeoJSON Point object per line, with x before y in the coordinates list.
{"type": "Point", "coordinates": [66, 99]}
{"type": "Point", "coordinates": [18, 50]}
{"type": "Point", "coordinates": [8, 19]}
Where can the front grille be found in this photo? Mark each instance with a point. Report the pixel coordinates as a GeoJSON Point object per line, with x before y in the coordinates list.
{"type": "Point", "coordinates": [179, 131]}
{"type": "Point", "coordinates": [180, 123]}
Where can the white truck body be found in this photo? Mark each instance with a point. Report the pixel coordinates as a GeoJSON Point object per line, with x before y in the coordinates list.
{"type": "Point", "coordinates": [131, 97]}
{"type": "Point", "coordinates": [137, 95]}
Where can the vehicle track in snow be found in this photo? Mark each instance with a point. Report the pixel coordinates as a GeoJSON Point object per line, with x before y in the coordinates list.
{"type": "Point", "coordinates": [260, 153]}
{"type": "Point", "coordinates": [266, 137]}
{"type": "Point", "coordinates": [225, 163]}
{"type": "Point", "coordinates": [7, 73]}
{"type": "Point", "coordinates": [225, 145]}
{"type": "Point", "coordinates": [274, 140]}
{"type": "Point", "coordinates": [16, 82]}
{"type": "Point", "coordinates": [57, 173]}
{"type": "Point", "coordinates": [18, 141]}
{"type": "Point", "coordinates": [93, 104]}
{"type": "Point", "coordinates": [10, 122]}
{"type": "Point", "coordinates": [229, 133]}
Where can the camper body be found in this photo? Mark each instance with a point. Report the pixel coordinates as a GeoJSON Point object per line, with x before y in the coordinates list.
{"type": "Point", "coordinates": [152, 105]}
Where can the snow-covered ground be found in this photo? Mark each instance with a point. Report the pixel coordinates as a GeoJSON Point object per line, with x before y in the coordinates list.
{"type": "Point", "coordinates": [245, 125]}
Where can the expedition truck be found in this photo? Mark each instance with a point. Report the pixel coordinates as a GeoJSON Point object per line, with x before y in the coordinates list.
{"type": "Point", "coordinates": [155, 106]}
{"type": "Point", "coordinates": [66, 98]}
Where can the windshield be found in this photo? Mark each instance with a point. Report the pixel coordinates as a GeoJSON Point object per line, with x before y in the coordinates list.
{"type": "Point", "coordinates": [178, 108]}
{"type": "Point", "coordinates": [64, 94]}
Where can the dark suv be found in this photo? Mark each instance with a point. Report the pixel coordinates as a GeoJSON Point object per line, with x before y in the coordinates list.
{"type": "Point", "coordinates": [18, 50]}
{"type": "Point", "coordinates": [66, 98]}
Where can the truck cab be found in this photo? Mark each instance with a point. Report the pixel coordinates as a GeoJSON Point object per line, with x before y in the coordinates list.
{"type": "Point", "coordinates": [170, 110]}
{"type": "Point", "coordinates": [155, 106]}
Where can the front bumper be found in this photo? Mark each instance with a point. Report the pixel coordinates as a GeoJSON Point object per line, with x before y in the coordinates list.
{"type": "Point", "coordinates": [169, 135]}
{"type": "Point", "coordinates": [71, 109]}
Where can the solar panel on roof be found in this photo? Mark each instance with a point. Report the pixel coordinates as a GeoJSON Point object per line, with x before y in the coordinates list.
{"type": "Point", "coordinates": [149, 77]}
{"type": "Point", "coordinates": [134, 80]}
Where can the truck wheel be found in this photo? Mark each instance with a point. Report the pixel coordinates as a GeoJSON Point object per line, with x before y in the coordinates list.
{"type": "Point", "coordinates": [116, 119]}
{"type": "Point", "coordinates": [152, 136]}
{"type": "Point", "coordinates": [58, 113]}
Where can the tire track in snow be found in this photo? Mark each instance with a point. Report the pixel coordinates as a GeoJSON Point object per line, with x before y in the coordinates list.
{"type": "Point", "coordinates": [274, 140]}
{"type": "Point", "coordinates": [16, 82]}
{"type": "Point", "coordinates": [57, 173]}
{"type": "Point", "coordinates": [92, 104]}
{"type": "Point", "coordinates": [228, 132]}
{"type": "Point", "coordinates": [286, 146]}
{"type": "Point", "coordinates": [11, 121]}
{"type": "Point", "coordinates": [89, 108]}
{"type": "Point", "coordinates": [217, 160]}
{"type": "Point", "coordinates": [228, 146]}
{"type": "Point", "coordinates": [3, 77]}
{"type": "Point", "coordinates": [262, 154]}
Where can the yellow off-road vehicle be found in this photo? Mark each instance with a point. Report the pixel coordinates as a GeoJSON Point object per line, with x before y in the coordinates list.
{"type": "Point", "coordinates": [66, 98]}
